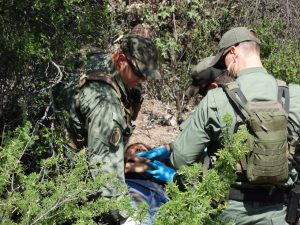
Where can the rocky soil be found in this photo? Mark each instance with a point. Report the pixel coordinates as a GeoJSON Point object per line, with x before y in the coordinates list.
{"type": "Point", "coordinates": [156, 123]}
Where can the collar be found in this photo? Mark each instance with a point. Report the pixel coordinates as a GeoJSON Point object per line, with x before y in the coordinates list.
{"type": "Point", "coordinates": [117, 77]}
{"type": "Point", "coordinates": [252, 70]}
{"type": "Point", "coordinates": [121, 84]}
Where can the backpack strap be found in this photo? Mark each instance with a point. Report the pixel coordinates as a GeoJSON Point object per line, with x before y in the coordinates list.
{"type": "Point", "coordinates": [95, 76]}
{"type": "Point", "coordinates": [242, 113]}
{"type": "Point", "coordinates": [283, 95]}
{"type": "Point", "coordinates": [232, 89]}
{"type": "Point", "coordinates": [284, 99]}
{"type": "Point", "coordinates": [100, 76]}
{"type": "Point", "coordinates": [108, 79]}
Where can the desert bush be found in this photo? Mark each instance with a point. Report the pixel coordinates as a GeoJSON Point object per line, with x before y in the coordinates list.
{"type": "Point", "coordinates": [57, 193]}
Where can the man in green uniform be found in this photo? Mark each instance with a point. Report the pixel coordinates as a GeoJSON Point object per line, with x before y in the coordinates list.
{"type": "Point", "coordinates": [106, 101]}
{"type": "Point", "coordinates": [239, 52]}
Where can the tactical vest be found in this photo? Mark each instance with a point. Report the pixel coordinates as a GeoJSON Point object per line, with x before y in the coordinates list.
{"type": "Point", "coordinates": [266, 121]}
{"type": "Point", "coordinates": [130, 107]}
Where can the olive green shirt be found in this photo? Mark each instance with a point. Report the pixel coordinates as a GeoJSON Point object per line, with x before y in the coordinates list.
{"type": "Point", "coordinates": [204, 126]}
{"type": "Point", "coordinates": [101, 118]}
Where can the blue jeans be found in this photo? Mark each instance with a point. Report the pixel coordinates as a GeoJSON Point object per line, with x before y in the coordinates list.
{"type": "Point", "coordinates": [149, 192]}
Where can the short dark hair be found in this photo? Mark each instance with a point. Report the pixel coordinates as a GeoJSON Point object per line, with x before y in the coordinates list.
{"type": "Point", "coordinates": [223, 79]}
{"type": "Point", "coordinates": [137, 143]}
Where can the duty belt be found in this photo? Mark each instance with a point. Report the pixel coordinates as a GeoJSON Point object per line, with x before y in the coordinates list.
{"type": "Point", "coordinates": [258, 195]}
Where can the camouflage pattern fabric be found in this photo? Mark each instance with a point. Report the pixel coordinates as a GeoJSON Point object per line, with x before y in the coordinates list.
{"type": "Point", "coordinates": [101, 120]}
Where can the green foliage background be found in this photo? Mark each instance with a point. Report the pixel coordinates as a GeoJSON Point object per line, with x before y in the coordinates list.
{"type": "Point", "coordinates": [39, 45]}
{"type": "Point", "coordinates": [40, 40]}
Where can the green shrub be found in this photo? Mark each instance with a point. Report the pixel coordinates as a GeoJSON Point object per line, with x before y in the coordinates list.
{"type": "Point", "coordinates": [204, 200]}
{"type": "Point", "coordinates": [57, 193]}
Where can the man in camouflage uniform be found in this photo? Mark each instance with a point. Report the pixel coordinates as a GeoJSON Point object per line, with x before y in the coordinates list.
{"type": "Point", "coordinates": [106, 101]}
{"type": "Point", "coordinates": [239, 51]}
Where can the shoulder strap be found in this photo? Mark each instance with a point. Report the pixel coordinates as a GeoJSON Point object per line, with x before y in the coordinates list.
{"type": "Point", "coordinates": [100, 76]}
{"type": "Point", "coordinates": [94, 76]}
{"type": "Point", "coordinates": [109, 79]}
{"type": "Point", "coordinates": [283, 95]}
{"type": "Point", "coordinates": [232, 89]}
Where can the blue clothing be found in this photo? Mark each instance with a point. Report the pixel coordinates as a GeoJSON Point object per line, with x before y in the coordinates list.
{"type": "Point", "coordinates": [152, 193]}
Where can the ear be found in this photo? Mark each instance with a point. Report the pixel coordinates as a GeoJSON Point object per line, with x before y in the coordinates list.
{"type": "Point", "coordinates": [234, 51]}
{"type": "Point", "coordinates": [120, 60]}
{"type": "Point", "coordinates": [122, 57]}
{"type": "Point", "coordinates": [212, 85]}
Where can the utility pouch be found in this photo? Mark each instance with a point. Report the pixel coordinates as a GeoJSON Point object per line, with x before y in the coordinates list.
{"type": "Point", "coordinates": [293, 208]}
{"type": "Point", "coordinates": [75, 143]}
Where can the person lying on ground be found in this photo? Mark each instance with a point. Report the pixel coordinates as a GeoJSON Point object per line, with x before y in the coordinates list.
{"type": "Point", "coordinates": [141, 186]}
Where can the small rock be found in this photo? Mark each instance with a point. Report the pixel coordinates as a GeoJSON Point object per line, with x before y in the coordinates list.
{"type": "Point", "coordinates": [173, 122]}
{"type": "Point", "coordinates": [166, 120]}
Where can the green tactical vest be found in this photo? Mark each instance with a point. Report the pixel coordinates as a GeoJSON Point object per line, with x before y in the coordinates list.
{"type": "Point", "coordinates": [266, 121]}
{"type": "Point", "coordinates": [129, 108]}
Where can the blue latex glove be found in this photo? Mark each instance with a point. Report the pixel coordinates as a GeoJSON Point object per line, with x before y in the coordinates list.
{"type": "Point", "coordinates": [159, 153]}
{"type": "Point", "coordinates": [161, 172]}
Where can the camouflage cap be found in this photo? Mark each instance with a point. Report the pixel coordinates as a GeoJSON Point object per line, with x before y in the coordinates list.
{"type": "Point", "coordinates": [142, 50]}
{"type": "Point", "coordinates": [230, 38]}
{"type": "Point", "coordinates": [202, 75]}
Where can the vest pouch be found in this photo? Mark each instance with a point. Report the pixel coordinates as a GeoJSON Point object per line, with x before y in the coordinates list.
{"type": "Point", "coordinates": [268, 158]}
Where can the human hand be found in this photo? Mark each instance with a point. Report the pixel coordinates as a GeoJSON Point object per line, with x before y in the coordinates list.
{"type": "Point", "coordinates": [159, 153]}
{"type": "Point", "coordinates": [161, 172]}
{"type": "Point", "coordinates": [136, 164]}
{"type": "Point", "coordinates": [136, 167]}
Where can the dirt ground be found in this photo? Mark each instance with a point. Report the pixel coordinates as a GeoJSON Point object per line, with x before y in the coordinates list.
{"type": "Point", "coordinates": [156, 123]}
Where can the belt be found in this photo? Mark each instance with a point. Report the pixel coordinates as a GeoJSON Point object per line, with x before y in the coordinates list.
{"type": "Point", "coordinates": [258, 195]}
